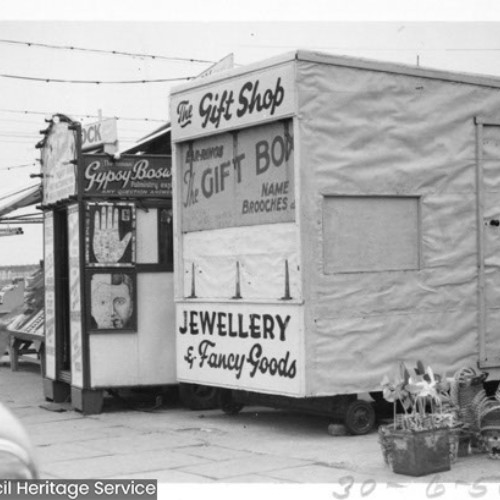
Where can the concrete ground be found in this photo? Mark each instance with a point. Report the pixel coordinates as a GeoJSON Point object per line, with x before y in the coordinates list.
{"type": "Point", "coordinates": [132, 439]}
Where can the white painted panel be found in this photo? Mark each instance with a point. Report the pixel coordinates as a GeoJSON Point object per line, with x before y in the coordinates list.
{"type": "Point", "coordinates": [148, 356]}
{"type": "Point", "coordinates": [50, 300]}
{"type": "Point", "coordinates": [114, 359]}
{"type": "Point", "coordinates": [262, 256]}
{"type": "Point", "coordinates": [75, 297]}
{"type": "Point", "coordinates": [147, 236]}
{"type": "Point", "coordinates": [156, 322]}
{"type": "Point", "coordinates": [256, 347]}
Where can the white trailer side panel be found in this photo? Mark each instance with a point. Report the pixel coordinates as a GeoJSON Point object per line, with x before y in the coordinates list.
{"type": "Point", "coordinates": [367, 139]}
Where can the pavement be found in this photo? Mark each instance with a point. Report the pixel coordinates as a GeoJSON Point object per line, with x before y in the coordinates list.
{"type": "Point", "coordinates": [135, 437]}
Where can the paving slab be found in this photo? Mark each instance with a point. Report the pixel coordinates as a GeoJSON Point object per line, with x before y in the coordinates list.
{"type": "Point", "coordinates": [128, 442]}
{"type": "Point", "coordinates": [177, 446]}
{"type": "Point", "coordinates": [216, 453]}
{"type": "Point", "coordinates": [111, 465]}
{"type": "Point", "coordinates": [240, 466]}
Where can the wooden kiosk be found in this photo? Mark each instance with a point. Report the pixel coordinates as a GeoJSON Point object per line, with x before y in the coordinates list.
{"type": "Point", "coordinates": [334, 216]}
{"type": "Point", "coordinates": [109, 315]}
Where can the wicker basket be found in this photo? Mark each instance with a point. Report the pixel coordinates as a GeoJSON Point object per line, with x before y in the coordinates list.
{"type": "Point", "coordinates": [459, 442]}
{"type": "Point", "coordinates": [420, 453]}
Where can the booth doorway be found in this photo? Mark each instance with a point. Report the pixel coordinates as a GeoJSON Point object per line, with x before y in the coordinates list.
{"type": "Point", "coordinates": [62, 296]}
{"type": "Point", "coordinates": [488, 222]}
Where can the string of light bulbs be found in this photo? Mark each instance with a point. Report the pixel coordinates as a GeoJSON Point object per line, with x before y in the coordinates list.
{"type": "Point", "coordinates": [110, 52]}
{"type": "Point", "coordinates": [15, 167]}
{"type": "Point", "coordinates": [93, 82]}
{"type": "Point", "coordinates": [50, 113]}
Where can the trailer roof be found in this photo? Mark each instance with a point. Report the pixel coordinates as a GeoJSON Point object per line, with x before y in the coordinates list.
{"type": "Point", "coordinates": [348, 62]}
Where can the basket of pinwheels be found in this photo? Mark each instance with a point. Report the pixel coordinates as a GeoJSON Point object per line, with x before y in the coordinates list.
{"type": "Point", "coordinates": [424, 436]}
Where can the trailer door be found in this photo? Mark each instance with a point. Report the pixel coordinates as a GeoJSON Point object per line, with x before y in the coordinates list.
{"type": "Point", "coordinates": [488, 219]}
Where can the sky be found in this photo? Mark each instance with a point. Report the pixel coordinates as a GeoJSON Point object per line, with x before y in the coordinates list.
{"type": "Point", "coordinates": [460, 36]}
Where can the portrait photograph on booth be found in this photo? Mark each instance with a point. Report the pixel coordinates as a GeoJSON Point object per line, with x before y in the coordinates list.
{"type": "Point", "coordinates": [112, 300]}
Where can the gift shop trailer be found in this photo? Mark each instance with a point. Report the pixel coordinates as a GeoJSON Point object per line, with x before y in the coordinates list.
{"type": "Point", "coordinates": [332, 217]}
{"type": "Point", "coordinates": [108, 243]}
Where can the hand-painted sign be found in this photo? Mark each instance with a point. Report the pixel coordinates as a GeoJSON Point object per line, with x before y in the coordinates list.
{"type": "Point", "coordinates": [130, 175]}
{"type": "Point", "coordinates": [256, 97]}
{"type": "Point", "coordinates": [50, 301]}
{"type": "Point", "coordinates": [224, 64]}
{"type": "Point", "coordinates": [112, 300]}
{"type": "Point", "coordinates": [58, 155]}
{"type": "Point", "coordinates": [238, 179]}
{"type": "Point", "coordinates": [100, 133]}
{"type": "Point", "coordinates": [244, 346]}
{"type": "Point", "coordinates": [75, 297]}
{"type": "Point", "coordinates": [110, 234]}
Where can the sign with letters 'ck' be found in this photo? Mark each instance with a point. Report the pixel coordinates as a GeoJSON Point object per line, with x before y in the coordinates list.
{"type": "Point", "coordinates": [101, 133]}
{"type": "Point", "coordinates": [253, 98]}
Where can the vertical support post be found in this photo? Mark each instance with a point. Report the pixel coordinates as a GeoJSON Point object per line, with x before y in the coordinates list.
{"type": "Point", "coordinates": [287, 295]}
{"type": "Point", "coordinates": [480, 241]}
{"type": "Point", "coordinates": [237, 293]}
{"type": "Point", "coordinates": [193, 283]}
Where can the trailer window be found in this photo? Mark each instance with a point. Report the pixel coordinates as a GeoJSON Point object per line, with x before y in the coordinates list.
{"type": "Point", "coordinates": [370, 233]}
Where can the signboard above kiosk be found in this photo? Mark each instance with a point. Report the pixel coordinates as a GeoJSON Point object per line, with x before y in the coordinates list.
{"type": "Point", "coordinates": [130, 175]}
{"type": "Point", "coordinates": [236, 103]}
{"type": "Point", "coordinates": [101, 133]}
{"type": "Point", "coordinates": [57, 157]}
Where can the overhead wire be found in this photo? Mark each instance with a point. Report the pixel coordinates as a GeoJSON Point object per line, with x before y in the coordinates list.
{"type": "Point", "coordinates": [100, 51]}
{"type": "Point", "coordinates": [93, 82]}
{"type": "Point", "coordinates": [35, 135]}
{"type": "Point", "coordinates": [50, 113]}
{"type": "Point", "coordinates": [13, 167]}
{"type": "Point", "coordinates": [20, 137]}
{"type": "Point", "coordinates": [110, 52]}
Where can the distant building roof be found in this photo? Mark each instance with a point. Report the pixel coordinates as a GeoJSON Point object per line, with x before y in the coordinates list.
{"type": "Point", "coordinates": [157, 142]}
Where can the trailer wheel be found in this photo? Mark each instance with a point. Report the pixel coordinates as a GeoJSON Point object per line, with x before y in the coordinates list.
{"type": "Point", "coordinates": [198, 397]}
{"type": "Point", "coordinates": [377, 396]}
{"type": "Point", "coordinates": [359, 417]}
{"type": "Point", "coordinates": [227, 404]}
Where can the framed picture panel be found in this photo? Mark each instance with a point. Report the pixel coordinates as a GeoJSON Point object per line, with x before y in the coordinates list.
{"type": "Point", "coordinates": [113, 299]}
{"type": "Point", "coordinates": [110, 234]}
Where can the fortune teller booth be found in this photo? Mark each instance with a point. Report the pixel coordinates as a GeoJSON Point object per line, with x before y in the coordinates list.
{"type": "Point", "coordinates": [108, 269]}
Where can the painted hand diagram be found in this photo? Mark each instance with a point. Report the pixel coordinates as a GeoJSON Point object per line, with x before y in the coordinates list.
{"type": "Point", "coordinates": [107, 245]}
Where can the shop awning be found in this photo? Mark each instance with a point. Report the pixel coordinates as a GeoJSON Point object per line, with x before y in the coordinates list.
{"type": "Point", "coordinates": [24, 198]}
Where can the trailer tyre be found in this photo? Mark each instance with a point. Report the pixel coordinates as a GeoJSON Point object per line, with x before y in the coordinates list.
{"type": "Point", "coordinates": [227, 404]}
{"type": "Point", "coordinates": [359, 417]}
{"type": "Point", "coordinates": [377, 396]}
{"type": "Point", "coordinates": [198, 397]}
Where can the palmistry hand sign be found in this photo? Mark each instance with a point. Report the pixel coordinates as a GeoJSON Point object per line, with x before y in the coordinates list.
{"type": "Point", "coordinates": [108, 248]}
